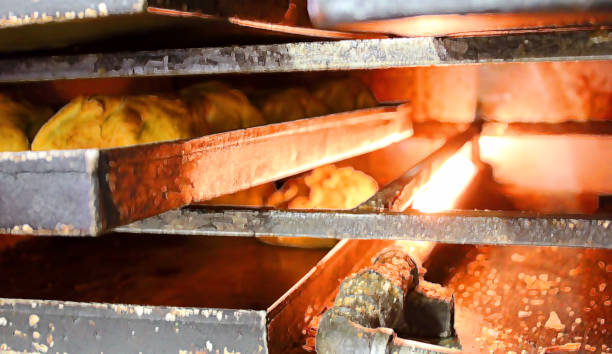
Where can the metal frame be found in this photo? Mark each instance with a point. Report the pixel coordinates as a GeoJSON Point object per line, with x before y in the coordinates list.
{"type": "Point", "coordinates": [315, 56]}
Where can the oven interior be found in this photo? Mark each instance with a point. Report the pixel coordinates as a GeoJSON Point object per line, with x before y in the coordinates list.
{"type": "Point", "coordinates": [543, 147]}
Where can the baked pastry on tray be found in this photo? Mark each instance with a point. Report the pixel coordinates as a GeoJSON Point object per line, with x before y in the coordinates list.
{"type": "Point", "coordinates": [291, 104]}
{"type": "Point", "coordinates": [112, 121]}
{"type": "Point", "coordinates": [345, 95]}
{"type": "Point", "coordinates": [221, 107]}
{"type": "Point", "coordinates": [325, 187]}
{"type": "Point", "coordinates": [19, 122]}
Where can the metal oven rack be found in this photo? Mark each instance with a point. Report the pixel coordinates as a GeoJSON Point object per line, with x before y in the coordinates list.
{"type": "Point", "coordinates": [103, 204]}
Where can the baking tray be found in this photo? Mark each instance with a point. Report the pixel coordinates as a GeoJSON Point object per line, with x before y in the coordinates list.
{"type": "Point", "coordinates": [135, 294]}
{"type": "Point", "coordinates": [85, 192]}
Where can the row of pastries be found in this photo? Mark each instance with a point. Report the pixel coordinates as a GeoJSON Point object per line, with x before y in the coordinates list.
{"type": "Point", "coordinates": [206, 108]}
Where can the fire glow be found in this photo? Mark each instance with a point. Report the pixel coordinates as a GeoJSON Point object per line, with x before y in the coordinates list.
{"type": "Point", "coordinates": [447, 183]}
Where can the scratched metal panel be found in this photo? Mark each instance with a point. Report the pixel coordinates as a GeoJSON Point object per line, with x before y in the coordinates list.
{"type": "Point", "coordinates": [22, 12]}
{"type": "Point", "coordinates": [316, 56]}
{"type": "Point", "coordinates": [49, 192]}
{"type": "Point", "coordinates": [76, 327]}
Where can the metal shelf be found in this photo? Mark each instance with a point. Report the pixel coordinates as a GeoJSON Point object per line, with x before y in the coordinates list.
{"type": "Point", "coordinates": [315, 56]}
{"type": "Point", "coordinates": [462, 227]}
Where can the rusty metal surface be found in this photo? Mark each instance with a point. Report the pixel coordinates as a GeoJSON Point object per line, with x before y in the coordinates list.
{"type": "Point", "coordinates": [146, 180]}
{"type": "Point", "coordinates": [316, 56]}
{"type": "Point", "coordinates": [272, 11]}
{"type": "Point", "coordinates": [58, 326]}
{"type": "Point", "coordinates": [507, 296]}
{"type": "Point", "coordinates": [117, 186]}
{"type": "Point", "coordinates": [19, 12]}
{"type": "Point", "coordinates": [462, 227]}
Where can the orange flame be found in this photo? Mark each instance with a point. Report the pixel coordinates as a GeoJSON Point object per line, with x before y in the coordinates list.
{"type": "Point", "coordinates": [447, 183]}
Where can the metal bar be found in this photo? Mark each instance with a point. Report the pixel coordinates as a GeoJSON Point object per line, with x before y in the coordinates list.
{"type": "Point", "coordinates": [60, 326]}
{"type": "Point", "coordinates": [85, 192]}
{"type": "Point", "coordinates": [397, 195]}
{"type": "Point", "coordinates": [462, 227]}
{"type": "Point", "coordinates": [316, 56]}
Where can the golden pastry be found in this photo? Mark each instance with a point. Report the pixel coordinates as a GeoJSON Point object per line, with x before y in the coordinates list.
{"type": "Point", "coordinates": [110, 121]}
{"type": "Point", "coordinates": [19, 122]}
{"type": "Point", "coordinates": [12, 137]}
{"type": "Point", "coordinates": [222, 108]}
{"type": "Point", "coordinates": [291, 104]}
{"type": "Point", "coordinates": [345, 95]}
{"type": "Point", "coordinates": [326, 187]}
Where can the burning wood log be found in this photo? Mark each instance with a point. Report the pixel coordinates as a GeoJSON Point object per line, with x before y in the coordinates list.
{"type": "Point", "coordinates": [378, 302]}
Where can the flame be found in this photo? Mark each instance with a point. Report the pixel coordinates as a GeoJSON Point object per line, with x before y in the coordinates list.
{"type": "Point", "coordinates": [447, 183]}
